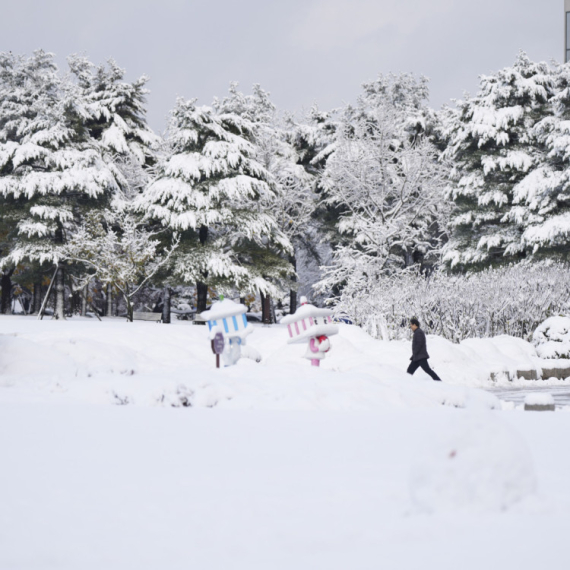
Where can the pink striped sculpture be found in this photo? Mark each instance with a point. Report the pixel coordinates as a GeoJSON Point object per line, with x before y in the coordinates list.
{"type": "Point", "coordinates": [312, 325]}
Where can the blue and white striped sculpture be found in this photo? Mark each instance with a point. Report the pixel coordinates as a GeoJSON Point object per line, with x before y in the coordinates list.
{"type": "Point", "coordinates": [228, 318]}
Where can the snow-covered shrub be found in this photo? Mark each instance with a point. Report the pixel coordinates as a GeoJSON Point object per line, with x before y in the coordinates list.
{"type": "Point", "coordinates": [552, 338]}
{"type": "Point", "coordinates": [511, 300]}
{"type": "Point", "coordinates": [118, 248]}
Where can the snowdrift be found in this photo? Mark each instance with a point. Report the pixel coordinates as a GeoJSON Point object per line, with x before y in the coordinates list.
{"type": "Point", "coordinates": [149, 364]}
{"type": "Point", "coordinates": [552, 339]}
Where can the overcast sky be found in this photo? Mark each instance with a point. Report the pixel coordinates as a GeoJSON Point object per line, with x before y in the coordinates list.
{"type": "Point", "coordinates": [302, 51]}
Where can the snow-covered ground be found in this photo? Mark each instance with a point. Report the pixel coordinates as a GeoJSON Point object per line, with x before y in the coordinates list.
{"type": "Point", "coordinates": [273, 465]}
{"type": "Point", "coordinates": [152, 364]}
{"type": "Point", "coordinates": [145, 363]}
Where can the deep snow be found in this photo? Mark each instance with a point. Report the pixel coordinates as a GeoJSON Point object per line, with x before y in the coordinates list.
{"type": "Point", "coordinates": [152, 364]}
{"type": "Point", "coordinates": [148, 364]}
{"type": "Point", "coordinates": [354, 465]}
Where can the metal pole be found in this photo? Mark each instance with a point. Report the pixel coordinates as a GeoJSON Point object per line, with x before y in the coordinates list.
{"type": "Point", "coordinates": [41, 313]}
{"type": "Point", "coordinates": [217, 355]}
{"type": "Point", "coordinates": [566, 46]}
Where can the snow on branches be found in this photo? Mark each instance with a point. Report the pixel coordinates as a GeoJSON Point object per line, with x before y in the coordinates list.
{"type": "Point", "coordinates": [387, 184]}
{"type": "Point", "coordinates": [211, 187]}
{"type": "Point", "coordinates": [48, 165]}
{"type": "Point", "coordinates": [238, 196]}
{"type": "Point", "coordinates": [114, 110]}
{"type": "Point", "coordinates": [115, 247]}
{"type": "Point", "coordinates": [501, 171]}
{"type": "Point", "coordinates": [511, 300]}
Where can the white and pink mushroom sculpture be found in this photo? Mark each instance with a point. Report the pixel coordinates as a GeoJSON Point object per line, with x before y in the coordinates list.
{"type": "Point", "coordinates": [312, 325]}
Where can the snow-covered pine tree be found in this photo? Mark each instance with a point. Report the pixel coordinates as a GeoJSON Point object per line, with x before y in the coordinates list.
{"type": "Point", "coordinates": [312, 137]}
{"type": "Point", "coordinates": [116, 119]}
{"type": "Point", "coordinates": [115, 110]}
{"type": "Point", "coordinates": [494, 148]}
{"type": "Point", "coordinates": [15, 104]}
{"type": "Point", "coordinates": [293, 199]}
{"type": "Point", "coordinates": [8, 231]}
{"type": "Point", "coordinates": [541, 200]}
{"type": "Point", "coordinates": [49, 164]}
{"type": "Point", "coordinates": [210, 188]}
{"type": "Point", "coordinates": [385, 180]}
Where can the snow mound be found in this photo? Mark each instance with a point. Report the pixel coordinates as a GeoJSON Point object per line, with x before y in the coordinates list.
{"type": "Point", "coordinates": [539, 399]}
{"type": "Point", "coordinates": [142, 364]}
{"type": "Point", "coordinates": [481, 465]}
{"type": "Point", "coordinates": [552, 338]}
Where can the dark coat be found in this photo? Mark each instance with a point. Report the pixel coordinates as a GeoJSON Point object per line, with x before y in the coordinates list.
{"type": "Point", "coordinates": [419, 348]}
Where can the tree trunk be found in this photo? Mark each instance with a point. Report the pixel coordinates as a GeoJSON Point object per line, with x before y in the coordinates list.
{"type": "Point", "coordinates": [292, 301]}
{"type": "Point", "coordinates": [84, 293]}
{"type": "Point", "coordinates": [201, 298]}
{"type": "Point", "coordinates": [59, 306]}
{"type": "Point", "coordinates": [129, 309]}
{"type": "Point", "coordinates": [202, 288]}
{"type": "Point", "coordinates": [27, 303]}
{"type": "Point", "coordinates": [293, 292]}
{"type": "Point", "coordinates": [76, 301]}
{"type": "Point", "coordinates": [109, 301]}
{"type": "Point", "coordinates": [166, 306]}
{"type": "Point", "coordinates": [266, 318]}
{"type": "Point", "coordinates": [37, 298]}
{"type": "Point", "coordinates": [59, 312]}
{"type": "Point", "coordinates": [6, 306]}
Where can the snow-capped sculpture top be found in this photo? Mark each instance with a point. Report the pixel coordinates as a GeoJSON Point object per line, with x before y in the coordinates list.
{"type": "Point", "coordinates": [227, 317]}
{"type": "Point", "coordinates": [308, 322]}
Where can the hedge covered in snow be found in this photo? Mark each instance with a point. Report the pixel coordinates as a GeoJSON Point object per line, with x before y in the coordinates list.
{"type": "Point", "coordinates": [512, 300]}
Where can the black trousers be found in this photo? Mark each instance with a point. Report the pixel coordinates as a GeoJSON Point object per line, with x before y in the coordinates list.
{"type": "Point", "coordinates": [423, 363]}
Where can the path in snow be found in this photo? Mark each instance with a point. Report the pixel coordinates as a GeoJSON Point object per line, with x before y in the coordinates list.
{"type": "Point", "coordinates": [517, 395]}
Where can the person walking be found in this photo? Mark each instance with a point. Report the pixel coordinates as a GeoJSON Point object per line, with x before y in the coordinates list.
{"type": "Point", "coordinates": [420, 354]}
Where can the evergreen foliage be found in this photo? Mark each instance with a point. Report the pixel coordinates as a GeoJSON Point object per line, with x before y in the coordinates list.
{"type": "Point", "coordinates": [497, 154]}
{"type": "Point", "coordinates": [210, 187]}
{"type": "Point", "coordinates": [542, 199]}
{"type": "Point", "coordinates": [115, 110]}
{"type": "Point", "coordinates": [293, 200]}
{"type": "Point", "coordinates": [49, 165]}
{"type": "Point", "coordinates": [236, 196]}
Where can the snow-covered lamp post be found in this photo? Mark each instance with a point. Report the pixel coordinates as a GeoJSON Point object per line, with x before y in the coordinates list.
{"type": "Point", "coordinates": [228, 319]}
{"type": "Point", "coordinates": [313, 325]}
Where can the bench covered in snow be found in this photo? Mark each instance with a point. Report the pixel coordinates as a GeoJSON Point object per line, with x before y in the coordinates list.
{"type": "Point", "coordinates": [142, 316]}
{"type": "Point", "coordinates": [184, 314]}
